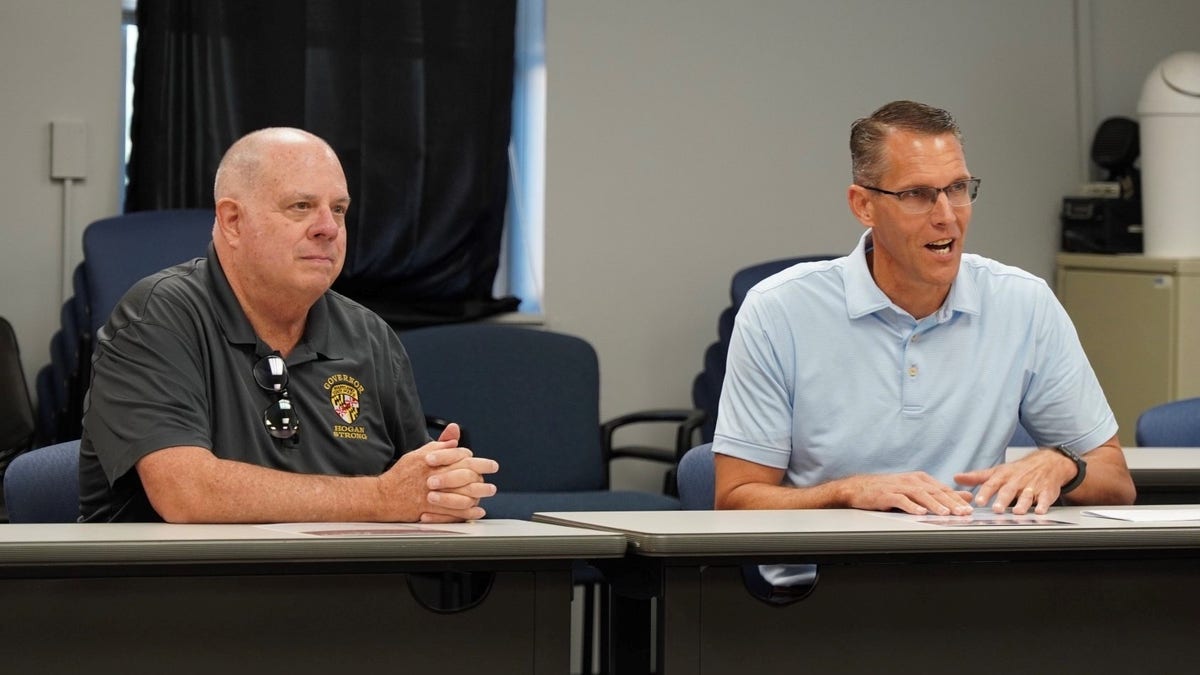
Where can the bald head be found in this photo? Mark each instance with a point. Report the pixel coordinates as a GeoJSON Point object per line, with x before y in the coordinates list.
{"type": "Point", "coordinates": [280, 228]}
{"type": "Point", "coordinates": [249, 161]}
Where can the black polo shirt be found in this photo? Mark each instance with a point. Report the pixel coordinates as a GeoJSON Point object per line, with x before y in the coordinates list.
{"type": "Point", "coordinates": [174, 366]}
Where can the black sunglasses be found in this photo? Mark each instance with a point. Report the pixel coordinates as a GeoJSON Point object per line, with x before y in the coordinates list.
{"type": "Point", "coordinates": [280, 417]}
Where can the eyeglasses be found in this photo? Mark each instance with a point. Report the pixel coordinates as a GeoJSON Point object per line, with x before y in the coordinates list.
{"type": "Point", "coordinates": [279, 418]}
{"type": "Point", "coordinates": [922, 199]}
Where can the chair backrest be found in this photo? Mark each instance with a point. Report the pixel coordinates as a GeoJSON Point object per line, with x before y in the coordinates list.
{"type": "Point", "coordinates": [529, 399]}
{"type": "Point", "coordinates": [42, 485]}
{"type": "Point", "coordinates": [119, 251]}
{"type": "Point", "coordinates": [1171, 425]}
{"type": "Point", "coordinates": [16, 409]}
{"type": "Point", "coordinates": [697, 479]}
{"type": "Point", "coordinates": [706, 387]}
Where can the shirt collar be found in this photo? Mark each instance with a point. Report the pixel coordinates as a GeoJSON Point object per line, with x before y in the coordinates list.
{"type": "Point", "coordinates": [864, 297]}
{"type": "Point", "coordinates": [237, 329]}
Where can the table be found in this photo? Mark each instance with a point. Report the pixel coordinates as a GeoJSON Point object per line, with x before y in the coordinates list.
{"type": "Point", "coordinates": [493, 596]}
{"type": "Point", "coordinates": [898, 595]}
{"type": "Point", "coordinates": [1162, 475]}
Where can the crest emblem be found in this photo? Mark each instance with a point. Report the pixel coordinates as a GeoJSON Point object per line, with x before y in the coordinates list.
{"type": "Point", "coordinates": [344, 399]}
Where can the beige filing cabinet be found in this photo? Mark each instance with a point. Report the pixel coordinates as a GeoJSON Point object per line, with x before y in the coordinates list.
{"type": "Point", "coordinates": [1139, 321]}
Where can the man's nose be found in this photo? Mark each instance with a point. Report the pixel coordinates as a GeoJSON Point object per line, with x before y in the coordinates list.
{"type": "Point", "coordinates": [942, 211]}
{"type": "Point", "coordinates": [326, 224]}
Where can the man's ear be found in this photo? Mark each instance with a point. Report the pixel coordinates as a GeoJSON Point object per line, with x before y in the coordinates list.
{"type": "Point", "coordinates": [861, 205]}
{"type": "Point", "coordinates": [229, 221]}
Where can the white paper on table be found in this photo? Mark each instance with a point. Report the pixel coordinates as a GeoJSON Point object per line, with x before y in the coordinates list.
{"type": "Point", "coordinates": [1147, 515]}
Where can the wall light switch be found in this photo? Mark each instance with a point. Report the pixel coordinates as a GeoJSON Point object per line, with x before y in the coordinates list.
{"type": "Point", "coordinates": [68, 149]}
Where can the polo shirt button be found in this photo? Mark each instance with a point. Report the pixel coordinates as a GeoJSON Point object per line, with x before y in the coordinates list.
{"type": "Point", "coordinates": [912, 370]}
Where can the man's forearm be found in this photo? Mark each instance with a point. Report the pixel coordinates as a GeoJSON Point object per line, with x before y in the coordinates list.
{"type": "Point", "coordinates": [190, 485]}
{"type": "Point", "coordinates": [1108, 480]}
{"type": "Point", "coordinates": [765, 496]}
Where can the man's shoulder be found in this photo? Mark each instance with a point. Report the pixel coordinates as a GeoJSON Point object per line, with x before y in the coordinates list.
{"type": "Point", "coordinates": [184, 277]}
{"type": "Point", "coordinates": [179, 284]}
{"type": "Point", "coordinates": [802, 277]}
{"type": "Point", "coordinates": [989, 272]}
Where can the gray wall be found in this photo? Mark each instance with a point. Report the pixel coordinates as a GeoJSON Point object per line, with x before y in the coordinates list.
{"type": "Point", "coordinates": [689, 138]}
{"type": "Point", "coordinates": [62, 60]}
{"type": "Point", "coordinates": [686, 138]}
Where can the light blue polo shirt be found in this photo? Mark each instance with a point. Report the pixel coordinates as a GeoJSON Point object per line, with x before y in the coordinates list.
{"type": "Point", "coordinates": [828, 378]}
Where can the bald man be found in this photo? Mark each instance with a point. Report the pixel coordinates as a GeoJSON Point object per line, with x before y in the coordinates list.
{"type": "Point", "coordinates": [239, 388]}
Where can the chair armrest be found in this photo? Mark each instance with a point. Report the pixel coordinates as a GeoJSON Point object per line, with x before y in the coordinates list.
{"type": "Point", "coordinates": [688, 420]}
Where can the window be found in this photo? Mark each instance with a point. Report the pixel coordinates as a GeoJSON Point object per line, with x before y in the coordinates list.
{"type": "Point", "coordinates": [524, 235]}
{"type": "Point", "coordinates": [522, 262]}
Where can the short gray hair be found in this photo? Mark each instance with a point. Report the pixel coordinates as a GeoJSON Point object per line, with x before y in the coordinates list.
{"type": "Point", "coordinates": [867, 134]}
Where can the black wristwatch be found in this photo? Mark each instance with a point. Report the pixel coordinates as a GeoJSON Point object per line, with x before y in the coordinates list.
{"type": "Point", "coordinates": [1080, 470]}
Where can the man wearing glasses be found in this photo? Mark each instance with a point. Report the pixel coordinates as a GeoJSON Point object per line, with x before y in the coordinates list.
{"type": "Point", "coordinates": [239, 388]}
{"type": "Point", "coordinates": [894, 377]}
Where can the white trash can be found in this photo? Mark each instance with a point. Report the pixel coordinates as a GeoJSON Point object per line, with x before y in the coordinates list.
{"type": "Point", "coordinates": [1169, 114]}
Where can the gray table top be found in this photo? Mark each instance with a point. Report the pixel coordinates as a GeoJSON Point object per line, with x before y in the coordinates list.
{"type": "Point", "coordinates": [112, 543]}
{"type": "Point", "coordinates": [848, 531]}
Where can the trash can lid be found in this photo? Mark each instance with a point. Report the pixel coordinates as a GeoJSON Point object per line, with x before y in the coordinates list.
{"type": "Point", "coordinates": [1173, 86]}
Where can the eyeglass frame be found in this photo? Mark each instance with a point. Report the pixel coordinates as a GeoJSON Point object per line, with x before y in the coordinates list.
{"type": "Point", "coordinates": [972, 182]}
{"type": "Point", "coordinates": [283, 399]}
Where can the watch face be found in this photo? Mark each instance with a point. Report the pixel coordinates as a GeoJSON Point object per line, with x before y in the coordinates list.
{"type": "Point", "coordinates": [1070, 453]}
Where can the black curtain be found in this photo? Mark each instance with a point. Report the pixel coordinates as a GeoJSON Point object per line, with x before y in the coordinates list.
{"type": "Point", "coordinates": [415, 96]}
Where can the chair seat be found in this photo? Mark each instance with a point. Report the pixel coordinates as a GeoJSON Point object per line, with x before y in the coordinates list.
{"type": "Point", "coordinates": [522, 505]}
{"type": "Point", "coordinates": [42, 485]}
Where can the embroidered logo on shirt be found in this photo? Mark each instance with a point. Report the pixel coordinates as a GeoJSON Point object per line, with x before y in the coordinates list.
{"type": "Point", "coordinates": [345, 394]}
{"type": "Point", "coordinates": [345, 402]}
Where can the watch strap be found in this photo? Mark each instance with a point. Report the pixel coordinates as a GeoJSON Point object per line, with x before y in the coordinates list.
{"type": "Point", "coordinates": [1080, 469]}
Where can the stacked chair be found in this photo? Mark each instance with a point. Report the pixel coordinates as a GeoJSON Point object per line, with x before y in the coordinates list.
{"type": "Point", "coordinates": [706, 387]}
{"type": "Point", "coordinates": [117, 252]}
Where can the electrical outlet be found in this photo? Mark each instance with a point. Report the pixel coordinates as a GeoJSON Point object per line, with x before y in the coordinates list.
{"type": "Point", "coordinates": [68, 149]}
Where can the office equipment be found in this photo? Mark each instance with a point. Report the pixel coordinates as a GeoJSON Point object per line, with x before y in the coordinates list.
{"type": "Point", "coordinates": [899, 595]}
{"type": "Point", "coordinates": [1100, 225]}
{"type": "Point", "coordinates": [1137, 318]}
{"type": "Point", "coordinates": [42, 485]}
{"type": "Point", "coordinates": [1106, 217]}
{"type": "Point", "coordinates": [154, 597]}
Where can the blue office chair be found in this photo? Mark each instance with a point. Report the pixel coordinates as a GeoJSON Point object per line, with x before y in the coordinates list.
{"type": "Point", "coordinates": [530, 399]}
{"type": "Point", "coordinates": [42, 485]}
{"type": "Point", "coordinates": [119, 251]}
{"type": "Point", "coordinates": [697, 485]}
{"type": "Point", "coordinates": [706, 387]}
{"type": "Point", "coordinates": [697, 479]}
{"type": "Point", "coordinates": [699, 423]}
{"type": "Point", "coordinates": [1173, 424]}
